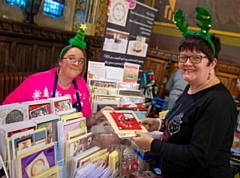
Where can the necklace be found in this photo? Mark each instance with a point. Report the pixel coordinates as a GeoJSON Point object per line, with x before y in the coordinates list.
{"type": "Point", "coordinates": [210, 83]}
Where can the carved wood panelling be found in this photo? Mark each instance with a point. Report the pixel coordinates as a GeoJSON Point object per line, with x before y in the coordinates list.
{"type": "Point", "coordinates": [43, 58]}
{"type": "Point", "coordinates": [230, 81]}
{"type": "Point", "coordinates": [229, 68]}
{"type": "Point", "coordinates": [30, 30]}
{"type": "Point", "coordinates": [4, 56]}
{"type": "Point", "coordinates": [23, 52]}
{"type": "Point", "coordinates": [30, 48]}
{"type": "Point", "coordinates": [96, 54]}
{"type": "Point", "coordinates": [156, 53]}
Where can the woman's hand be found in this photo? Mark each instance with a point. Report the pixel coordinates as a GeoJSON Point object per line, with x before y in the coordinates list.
{"type": "Point", "coordinates": [151, 124]}
{"type": "Point", "coordinates": [100, 114]}
{"type": "Point", "coordinates": [143, 141]}
{"type": "Point", "coordinates": [98, 117]}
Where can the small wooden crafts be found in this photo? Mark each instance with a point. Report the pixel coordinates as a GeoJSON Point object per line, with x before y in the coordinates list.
{"type": "Point", "coordinates": [124, 122]}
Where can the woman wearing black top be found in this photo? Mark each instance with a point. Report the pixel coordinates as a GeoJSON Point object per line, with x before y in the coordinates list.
{"type": "Point", "coordinates": [198, 130]}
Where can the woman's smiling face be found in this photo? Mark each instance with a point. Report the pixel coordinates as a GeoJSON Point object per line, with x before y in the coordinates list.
{"type": "Point", "coordinates": [73, 63]}
{"type": "Point", "coordinates": [195, 73]}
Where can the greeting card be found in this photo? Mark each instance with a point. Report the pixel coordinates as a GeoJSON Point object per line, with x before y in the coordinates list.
{"type": "Point", "coordinates": [67, 112]}
{"type": "Point", "coordinates": [79, 144]}
{"type": "Point", "coordinates": [73, 125]}
{"type": "Point", "coordinates": [72, 116]}
{"type": "Point", "coordinates": [50, 123]}
{"type": "Point", "coordinates": [131, 101]}
{"type": "Point", "coordinates": [89, 158]}
{"type": "Point", "coordinates": [102, 159]}
{"type": "Point", "coordinates": [96, 70]}
{"type": "Point", "coordinates": [77, 132]}
{"type": "Point", "coordinates": [61, 103]}
{"type": "Point", "coordinates": [38, 165]}
{"type": "Point", "coordinates": [124, 122]}
{"type": "Point", "coordinates": [52, 172]}
{"type": "Point", "coordinates": [104, 91]}
{"type": "Point", "coordinates": [9, 129]}
{"type": "Point", "coordinates": [130, 73]}
{"type": "Point", "coordinates": [102, 83]}
{"type": "Point", "coordinates": [114, 73]}
{"type": "Point", "coordinates": [38, 108]}
{"type": "Point", "coordinates": [74, 161]}
{"type": "Point", "coordinates": [114, 162]}
{"type": "Point", "coordinates": [22, 141]}
{"type": "Point", "coordinates": [11, 113]}
{"type": "Point", "coordinates": [65, 127]}
{"type": "Point", "coordinates": [128, 86]}
{"type": "Point", "coordinates": [36, 161]}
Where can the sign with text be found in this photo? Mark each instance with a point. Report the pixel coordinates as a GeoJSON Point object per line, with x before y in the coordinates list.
{"type": "Point", "coordinates": [127, 34]}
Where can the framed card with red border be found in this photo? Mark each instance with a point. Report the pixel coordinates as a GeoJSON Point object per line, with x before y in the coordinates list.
{"type": "Point", "coordinates": [124, 122]}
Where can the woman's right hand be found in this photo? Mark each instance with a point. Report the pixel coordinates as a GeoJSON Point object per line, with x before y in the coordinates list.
{"type": "Point", "coordinates": [100, 114]}
{"type": "Point", "coordinates": [151, 124]}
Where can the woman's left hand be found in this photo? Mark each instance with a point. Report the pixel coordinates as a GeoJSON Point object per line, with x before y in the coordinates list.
{"type": "Point", "coordinates": [143, 140]}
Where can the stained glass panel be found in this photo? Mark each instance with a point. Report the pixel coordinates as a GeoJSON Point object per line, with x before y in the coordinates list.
{"type": "Point", "coordinates": [53, 8]}
{"type": "Point", "coordinates": [20, 3]}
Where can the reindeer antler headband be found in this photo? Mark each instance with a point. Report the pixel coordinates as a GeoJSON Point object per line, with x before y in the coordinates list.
{"type": "Point", "coordinates": [204, 16]}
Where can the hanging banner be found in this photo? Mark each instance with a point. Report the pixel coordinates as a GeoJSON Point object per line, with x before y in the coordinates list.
{"type": "Point", "coordinates": [127, 34]}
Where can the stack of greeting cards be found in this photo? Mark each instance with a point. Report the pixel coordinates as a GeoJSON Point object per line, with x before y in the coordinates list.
{"type": "Point", "coordinates": [32, 135]}
{"type": "Point", "coordinates": [49, 138]}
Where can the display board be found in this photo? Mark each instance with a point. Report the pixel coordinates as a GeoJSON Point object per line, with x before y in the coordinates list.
{"type": "Point", "coordinates": [127, 34]}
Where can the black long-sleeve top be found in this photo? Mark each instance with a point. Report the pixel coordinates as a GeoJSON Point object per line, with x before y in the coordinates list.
{"type": "Point", "coordinates": [198, 135]}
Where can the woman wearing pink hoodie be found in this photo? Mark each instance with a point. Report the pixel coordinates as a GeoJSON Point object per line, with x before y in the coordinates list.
{"type": "Point", "coordinates": [66, 79]}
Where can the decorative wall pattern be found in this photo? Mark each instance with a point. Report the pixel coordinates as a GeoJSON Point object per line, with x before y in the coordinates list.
{"type": "Point", "coordinates": [101, 18]}
{"type": "Point", "coordinates": [225, 13]}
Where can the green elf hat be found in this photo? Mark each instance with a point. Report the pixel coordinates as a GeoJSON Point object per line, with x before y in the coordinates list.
{"type": "Point", "coordinates": [204, 16]}
{"type": "Point", "coordinates": [77, 41]}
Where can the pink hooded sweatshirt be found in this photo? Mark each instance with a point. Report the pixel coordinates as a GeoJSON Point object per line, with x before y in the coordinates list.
{"type": "Point", "coordinates": [40, 86]}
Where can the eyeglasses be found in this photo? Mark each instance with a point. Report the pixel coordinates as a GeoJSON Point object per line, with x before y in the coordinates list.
{"type": "Point", "coordinates": [195, 59]}
{"type": "Point", "coordinates": [74, 60]}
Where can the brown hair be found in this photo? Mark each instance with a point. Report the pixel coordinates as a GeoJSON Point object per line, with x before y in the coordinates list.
{"type": "Point", "coordinates": [194, 42]}
{"type": "Point", "coordinates": [84, 54]}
